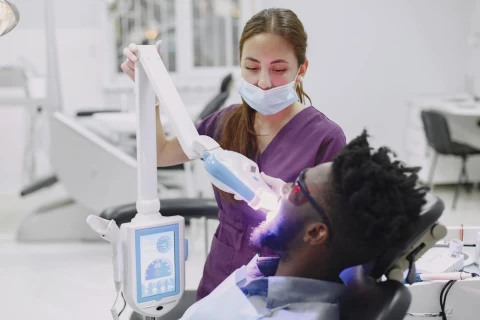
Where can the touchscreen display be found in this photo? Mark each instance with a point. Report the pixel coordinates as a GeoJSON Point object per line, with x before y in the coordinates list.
{"type": "Point", "coordinates": [157, 262]}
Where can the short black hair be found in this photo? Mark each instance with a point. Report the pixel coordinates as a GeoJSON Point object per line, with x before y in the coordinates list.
{"type": "Point", "coordinates": [373, 199]}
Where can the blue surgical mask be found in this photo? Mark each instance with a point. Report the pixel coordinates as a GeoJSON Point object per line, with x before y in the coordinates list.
{"type": "Point", "coordinates": [270, 101]}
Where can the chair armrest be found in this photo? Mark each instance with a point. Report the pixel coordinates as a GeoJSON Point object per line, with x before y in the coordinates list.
{"type": "Point", "coordinates": [38, 185]}
{"type": "Point", "coordinates": [174, 167]}
{"type": "Point", "coordinates": [89, 113]}
{"type": "Point", "coordinates": [187, 207]}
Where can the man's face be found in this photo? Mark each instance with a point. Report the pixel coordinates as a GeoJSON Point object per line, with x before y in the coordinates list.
{"type": "Point", "coordinates": [291, 220]}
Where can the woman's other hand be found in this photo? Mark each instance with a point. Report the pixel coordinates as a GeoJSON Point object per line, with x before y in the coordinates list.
{"type": "Point", "coordinates": [130, 52]}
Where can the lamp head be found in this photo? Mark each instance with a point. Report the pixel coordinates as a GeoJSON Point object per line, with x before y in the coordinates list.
{"type": "Point", "coordinates": [9, 17]}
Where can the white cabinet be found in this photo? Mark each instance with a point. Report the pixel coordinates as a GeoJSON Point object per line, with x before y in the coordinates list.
{"type": "Point", "coordinates": [464, 129]}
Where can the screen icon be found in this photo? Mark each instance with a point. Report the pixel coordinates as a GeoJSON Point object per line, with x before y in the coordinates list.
{"type": "Point", "coordinates": [164, 244]}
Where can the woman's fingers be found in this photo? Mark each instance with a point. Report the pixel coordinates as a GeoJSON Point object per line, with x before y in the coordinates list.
{"type": "Point", "coordinates": [158, 46]}
{"type": "Point", "coordinates": [128, 67]}
{"type": "Point", "coordinates": [129, 53]}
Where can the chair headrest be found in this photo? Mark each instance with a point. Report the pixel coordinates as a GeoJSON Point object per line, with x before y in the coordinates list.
{"type": "Point", "coordinates": [226, 82]}
{"type": "Point", "coordinates": [366, 297]}
{"type": "Point", "coordinates": [400, 257]}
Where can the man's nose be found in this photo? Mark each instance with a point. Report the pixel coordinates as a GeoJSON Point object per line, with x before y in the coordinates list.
{"type": "Point", "coordinates": [264, 81]}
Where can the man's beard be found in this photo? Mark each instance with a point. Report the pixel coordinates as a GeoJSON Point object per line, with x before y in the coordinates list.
{"type": "Point", "coordinates": [277, 234]}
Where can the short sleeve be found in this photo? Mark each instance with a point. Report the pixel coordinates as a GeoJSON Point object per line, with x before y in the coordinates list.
{"type": "Point", "coordinates": [208, 125]}
{"type": "Point", "coordinates": [331, 146]}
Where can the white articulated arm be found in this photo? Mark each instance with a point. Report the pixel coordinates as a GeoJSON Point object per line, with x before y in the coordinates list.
{"type": "Point", "coordinates": [183, 128]}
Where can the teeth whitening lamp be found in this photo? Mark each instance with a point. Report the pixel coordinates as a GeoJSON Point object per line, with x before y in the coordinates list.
{"type": "Point", "coordinates": [149, 252]}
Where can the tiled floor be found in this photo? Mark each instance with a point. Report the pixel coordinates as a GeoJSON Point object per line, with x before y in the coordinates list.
{"type": "Point", "coordinates": [73, 280]}
{"type": "Point", "coordinates": [467, 211]}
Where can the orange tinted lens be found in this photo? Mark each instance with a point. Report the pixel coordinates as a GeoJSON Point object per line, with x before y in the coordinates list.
{"type": "Point", "coordinates": [296, 196]}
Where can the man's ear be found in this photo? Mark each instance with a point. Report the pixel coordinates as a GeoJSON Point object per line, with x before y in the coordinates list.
{"type": "Point", "coordinates": [315, 233]}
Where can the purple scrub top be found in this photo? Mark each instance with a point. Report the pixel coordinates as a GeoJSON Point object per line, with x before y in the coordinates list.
{"type": "Point", "coordinates": [308, 139]}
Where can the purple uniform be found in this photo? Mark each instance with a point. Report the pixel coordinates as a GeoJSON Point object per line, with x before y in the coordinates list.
{"type": "Point", "coordinates": [308, 139]}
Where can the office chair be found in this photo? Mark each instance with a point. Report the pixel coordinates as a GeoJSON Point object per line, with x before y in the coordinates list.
{"type": "Point", "coordinates": [365, 297]}
{"type": "Point", "coordinates": [439, 138]}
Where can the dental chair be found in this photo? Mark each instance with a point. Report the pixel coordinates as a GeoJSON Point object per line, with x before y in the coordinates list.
{"type": "Point", "coordinates": [367, 296]}
{"type": "Point", "coordinates": [98, 160]}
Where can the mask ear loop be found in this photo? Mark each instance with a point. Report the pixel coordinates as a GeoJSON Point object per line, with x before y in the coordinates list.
{"type": "Point", "coordinates": [299, 80]}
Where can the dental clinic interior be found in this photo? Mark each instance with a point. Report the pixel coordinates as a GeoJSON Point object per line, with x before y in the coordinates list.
{"type": "Point", "coordinates": [145, 144]}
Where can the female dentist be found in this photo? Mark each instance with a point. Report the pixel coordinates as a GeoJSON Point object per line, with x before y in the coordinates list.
{"type": "Point", "coordinates": [271, 126]}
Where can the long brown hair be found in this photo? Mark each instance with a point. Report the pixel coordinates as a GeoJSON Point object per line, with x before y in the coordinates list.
{"type": "Point", "coordinates": [238, 133]}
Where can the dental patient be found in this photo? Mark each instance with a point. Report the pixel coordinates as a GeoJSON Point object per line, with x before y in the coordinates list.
{"type": "Point", "coordinates": [335, 216]}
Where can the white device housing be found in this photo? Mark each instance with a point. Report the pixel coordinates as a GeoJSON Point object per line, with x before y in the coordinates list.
{"type": "Point", "coordinates": [148, 204]}
{"type": "Point", "coordinates": [132, 288]}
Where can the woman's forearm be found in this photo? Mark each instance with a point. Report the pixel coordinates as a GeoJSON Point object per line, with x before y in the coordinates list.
{"type": "Point", "coordinates": [161, 137]}
{"type": "Point", "coordinates": [169, 150]}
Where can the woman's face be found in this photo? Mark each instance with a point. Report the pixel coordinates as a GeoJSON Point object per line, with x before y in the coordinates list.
{"type": "Point", "coordinates": [268, 61]}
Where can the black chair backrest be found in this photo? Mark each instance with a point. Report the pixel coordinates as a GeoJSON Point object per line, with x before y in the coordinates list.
{"type": "Point", "coordinates": [225, 86]}
{"type": "Point", "coordinates": [437, 131]}
{"type": "Point", "coordinates": [365, 299]}
{"type": "Point", "coordinates": [217, 102]}
{"type": "Point", "coordinates": [214, 105]}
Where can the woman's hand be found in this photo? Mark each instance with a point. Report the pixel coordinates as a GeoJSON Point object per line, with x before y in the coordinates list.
{"type": "Point", "coordinates": [278, 186]}
{"type": "Point", "coordinates": [130, 52]}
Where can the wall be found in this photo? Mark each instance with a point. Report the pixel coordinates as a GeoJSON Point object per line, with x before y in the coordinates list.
{"type": "Point", "coordinates": [473, 66]}
{"type": "Point", "coordinates": [368, 57]}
